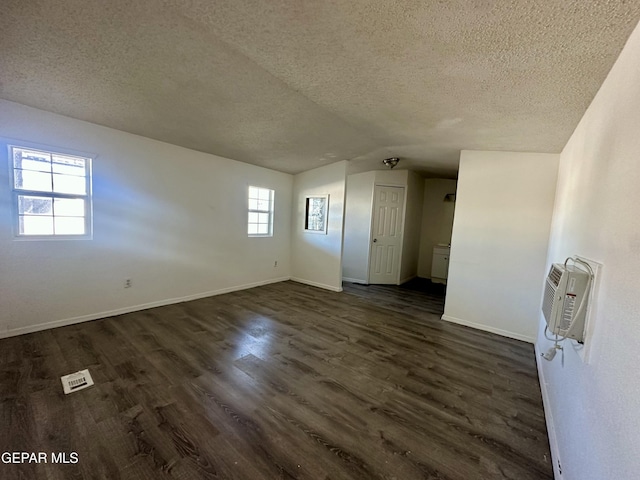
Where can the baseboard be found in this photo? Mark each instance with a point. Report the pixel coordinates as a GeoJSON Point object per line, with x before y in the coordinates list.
{"type": "Point", "coordinates": [355, 280]}
{"type": "Point", "coordinates": [12, 332]}
{"type": "Point", "coordinates": [548, 417]}
{"type": "Point", "coordinates": [316, 284]}
{"type": "Point", "coordinates": [486, 328]}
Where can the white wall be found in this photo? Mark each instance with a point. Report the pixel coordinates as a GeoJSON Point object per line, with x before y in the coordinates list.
{"type": "Point", "coordinates": [357, 227]}
{"type": "Point", "coordinates": [392, 177]}
{"type": "Point", "coordinates": [316, 259]}
{"type": "Point", "coordinates": [412, 227]}
{"type": "Point", "coordinates": [171, 219]}
{"type": "Point", "coordinates": [593, 409]}
{"type": "Point", "coordinates": [504, 204]}
{"type": "Point", "coordinates": [437, 220]}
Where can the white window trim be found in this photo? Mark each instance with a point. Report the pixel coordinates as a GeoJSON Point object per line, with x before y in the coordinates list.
{"type": "Point", "coordinates": [15, 193]}
{"type": "Point", "coordinates": [271, 211]}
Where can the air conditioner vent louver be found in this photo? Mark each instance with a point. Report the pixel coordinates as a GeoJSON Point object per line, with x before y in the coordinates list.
{"type": "Point", "coordinates": [554, 275]}
{"type": "Point", "coordinates": [547, 302]}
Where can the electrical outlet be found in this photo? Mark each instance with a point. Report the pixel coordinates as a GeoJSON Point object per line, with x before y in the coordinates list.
{"type": "Point", "coordinates": [127, 283]}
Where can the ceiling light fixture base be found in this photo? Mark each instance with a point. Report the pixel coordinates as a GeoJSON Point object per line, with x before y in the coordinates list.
{"type": "Point", "coordinates": [391, 162]}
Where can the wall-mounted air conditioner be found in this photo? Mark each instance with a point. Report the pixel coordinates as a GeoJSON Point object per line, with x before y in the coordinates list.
{"type": "Point", "coordinates": [565, 297]}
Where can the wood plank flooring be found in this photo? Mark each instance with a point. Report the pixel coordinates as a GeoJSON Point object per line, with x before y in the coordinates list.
{"type": "Point", "coordinates": [277, 382]}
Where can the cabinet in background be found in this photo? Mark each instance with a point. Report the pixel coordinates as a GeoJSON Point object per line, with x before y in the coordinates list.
{"type": "Point", "coordinates": [440, 264]}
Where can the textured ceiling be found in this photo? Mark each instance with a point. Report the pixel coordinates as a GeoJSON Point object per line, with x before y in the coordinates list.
{"type": "Point", "coordinates": [293, 85]}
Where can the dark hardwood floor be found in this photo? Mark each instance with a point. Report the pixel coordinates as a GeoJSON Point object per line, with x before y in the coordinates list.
{"type": "Point", "coordinates": [418, 297]}
{"type": "Point", "coordinates": [280, 381]}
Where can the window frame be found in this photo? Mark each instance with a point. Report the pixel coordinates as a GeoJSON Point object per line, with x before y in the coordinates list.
{"type": "Point", "coordinates": [16, 192]}
{"type": "Point", "coordinates": [270, 211]}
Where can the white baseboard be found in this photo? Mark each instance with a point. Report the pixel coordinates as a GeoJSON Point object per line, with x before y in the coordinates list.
{"type": "Point", "coordinates": [486, 328]}
{"type": "Point", "coordinates": [12, 332]}
{"type": "Point", "coordinates": [316, 284]}
{"type": "Point", "coordinates": [355, 280]}
{"type": "Point", "coordinates": [548, 416]}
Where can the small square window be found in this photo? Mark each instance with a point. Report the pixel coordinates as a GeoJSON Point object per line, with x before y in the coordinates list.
{"type": "Point", "coordinates": [315, 218]}
{"type": "Point", "coordinates": [261, 205]}
{"type": "Point", "coordinates": [51, 193]}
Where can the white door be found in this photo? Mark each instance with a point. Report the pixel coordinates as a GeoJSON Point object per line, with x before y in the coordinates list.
{"type": "Point", "coordinates": [386, 236]}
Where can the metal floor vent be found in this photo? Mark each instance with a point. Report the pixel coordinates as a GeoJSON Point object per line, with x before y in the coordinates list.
{"type": "Point", "coordinates": [76, 381]}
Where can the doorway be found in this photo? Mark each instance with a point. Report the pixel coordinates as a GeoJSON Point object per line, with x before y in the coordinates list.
{"type": "Point", "coordinates": [386, 235]}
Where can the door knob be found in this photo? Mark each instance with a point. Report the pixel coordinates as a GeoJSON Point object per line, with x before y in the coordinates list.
{"type": "Point", "coordinates": [375, 240]}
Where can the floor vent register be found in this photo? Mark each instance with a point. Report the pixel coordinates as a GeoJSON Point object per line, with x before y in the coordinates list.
{"type": "Point", "coordinates": [76, 381]}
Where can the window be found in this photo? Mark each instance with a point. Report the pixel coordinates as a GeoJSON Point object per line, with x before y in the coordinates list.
{"type": "Point", "coordinates": [315, 218]}
{"type": "Point", "coordinates": [51, 193]}
{"type": "Point", "coordinates": [260, 212]}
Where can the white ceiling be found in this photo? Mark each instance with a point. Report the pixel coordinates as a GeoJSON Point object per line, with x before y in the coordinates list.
{"type": "Point", "coordinates": [293, 85]}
